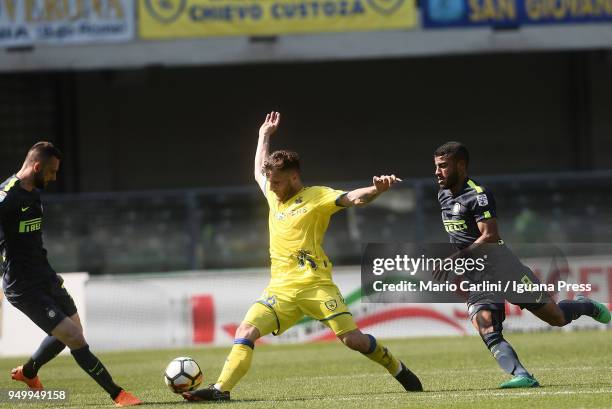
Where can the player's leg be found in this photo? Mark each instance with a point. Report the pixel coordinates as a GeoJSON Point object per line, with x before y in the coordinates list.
{"type": "Point", "coordinates": [564, 312]}
{"type": "Point", "coordinates": [49, 348]}
{"type": "Point", "coordinates": [237, 363]}
{"type": "Point", "coordinates": [543, 306]}
{"type": "Point", "coordinates": [375, 351]}
{"type": "Point", "coordinates": [559, 314]}
{"type": "Point", "coordinates": [53, 310]}
{"type": "Point", "coordinates": [36, 305]}
{"type": "Point", "coordinates": [72, 329]}
{"type": "Point", "coordinates": [326, 304]}
{"type": "Point", "coordinates": [70, 332]}
{"type": "Point", "coordinates": [269, 315]}
{"type": "Point", "coordinates": [488, 319]}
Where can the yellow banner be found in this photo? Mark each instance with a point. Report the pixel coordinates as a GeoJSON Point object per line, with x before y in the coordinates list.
{"type": "Point", "coordinates": [200, 18]}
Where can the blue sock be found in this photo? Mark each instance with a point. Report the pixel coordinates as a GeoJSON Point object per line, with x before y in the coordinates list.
{"type": "Point", "coordinates": [48, 349]}
{"type": "Point", "coordinates": [504, 354]}
{"type": "Point", "coordinates": [574, 309]}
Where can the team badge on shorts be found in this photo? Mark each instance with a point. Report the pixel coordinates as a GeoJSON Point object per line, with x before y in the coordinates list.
{"type": "Point", "coordinates": [331, 305]}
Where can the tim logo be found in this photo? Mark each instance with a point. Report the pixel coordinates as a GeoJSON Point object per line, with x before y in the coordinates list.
{"type": "Point", "coordinates": [386, 7]}
{"type": "Point", "coordinates": [165, 11]}
{"type": "Point", "coordinates": [27, 226]}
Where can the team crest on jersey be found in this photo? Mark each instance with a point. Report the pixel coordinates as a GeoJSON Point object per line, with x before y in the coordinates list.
{"type": "Point", "coordinates": [456, 208]}
{"type": "Point", "coordinates": [482, 200]}
{"type": "Point", "coordinates": [305, 257]}
{"type": "Point", "coordinates": [331, 305]}
{"type": "Point", "coordinates": [268, 299]}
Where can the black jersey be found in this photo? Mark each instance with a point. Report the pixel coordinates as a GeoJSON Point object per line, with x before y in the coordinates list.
{"type": "Point", "coordinates": [462, 212]}
{"type": "Point", "coordinates": [24, 260]}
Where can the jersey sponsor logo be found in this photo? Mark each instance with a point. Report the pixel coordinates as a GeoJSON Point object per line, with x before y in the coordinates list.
{"type": "Point", "coordinates": [290, 213]}
{"type": "Point", "coordinates": [454, 225]}
{"type": "Point", "coordinates": [456, 208]}
{"type": "Point", "coordinates": [331, 305]}
{"type": "Point", "coordinates": [482, 200]}
{"type": "Point", "coordinates": [28, 226]}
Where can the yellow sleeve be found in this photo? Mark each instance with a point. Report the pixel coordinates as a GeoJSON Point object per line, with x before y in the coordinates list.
{"type": "Point", "coordinates": [325, 199]}
{"type": "Point", "coordinates": [268, 193]}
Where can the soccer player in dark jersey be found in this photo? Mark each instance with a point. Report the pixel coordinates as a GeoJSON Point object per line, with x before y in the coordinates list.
{"type": "Point", "coordinates": [469, 217]}
{"type": "Point", "coordinates": [31, 285]}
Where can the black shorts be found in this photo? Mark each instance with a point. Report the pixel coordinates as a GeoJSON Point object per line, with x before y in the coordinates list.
{"type": "Point", "coordinates": [46, 305]}
{"type": "Point", "coordinates": [496, 302]}
{"type": "Point", "coordinates": [502, 265]}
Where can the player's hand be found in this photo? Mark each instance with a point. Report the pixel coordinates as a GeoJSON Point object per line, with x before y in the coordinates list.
{"type": "Point", "coordinates": [271, 123]}
{"type": "Point", "coordinates": [384, 182]}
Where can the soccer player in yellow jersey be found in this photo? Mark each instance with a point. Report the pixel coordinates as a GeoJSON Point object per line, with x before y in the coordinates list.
{"type": "Point", "coordinates": [301, 282]}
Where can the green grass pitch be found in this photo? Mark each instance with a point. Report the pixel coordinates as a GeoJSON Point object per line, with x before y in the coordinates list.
{"type": "Point", "coordinates": [574, 368]}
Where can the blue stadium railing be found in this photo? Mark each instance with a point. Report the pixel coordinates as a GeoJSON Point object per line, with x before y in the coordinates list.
{"type": "Point", "coordinates": [149, 231]}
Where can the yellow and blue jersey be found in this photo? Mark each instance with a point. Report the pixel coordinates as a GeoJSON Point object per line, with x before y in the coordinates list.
{"type": "Point", "coordinates": [297, 229]}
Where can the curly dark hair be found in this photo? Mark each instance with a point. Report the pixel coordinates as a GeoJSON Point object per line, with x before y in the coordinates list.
{"type": "Point", "coordinates": [281, 160]}
{"type": "Point", "coordinates": [456, 150]}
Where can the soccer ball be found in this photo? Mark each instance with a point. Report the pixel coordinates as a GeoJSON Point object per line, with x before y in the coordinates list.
{"type": "Point", "coordinates": [183, 374]}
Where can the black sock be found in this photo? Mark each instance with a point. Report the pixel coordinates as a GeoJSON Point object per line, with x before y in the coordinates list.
{"type": "Point", "coordinates": [48, 349]}
{"type": "Point", "coordinates": [574, 309]}
{"type": "Point", "coordinates": [94, 368]}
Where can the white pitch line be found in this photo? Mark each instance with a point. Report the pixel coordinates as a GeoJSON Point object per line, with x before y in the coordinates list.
{"type": "Point", "coordinates": [436, 372]}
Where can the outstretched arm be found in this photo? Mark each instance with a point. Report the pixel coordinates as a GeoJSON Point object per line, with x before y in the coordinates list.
{"type": "Point", "coordinates": [364, 195]}
{"type": "Point", "coordinates": [269, 126]}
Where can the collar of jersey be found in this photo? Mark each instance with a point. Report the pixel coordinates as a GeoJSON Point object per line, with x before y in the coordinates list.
{"type": "Point", "coordinates": [288, 201]}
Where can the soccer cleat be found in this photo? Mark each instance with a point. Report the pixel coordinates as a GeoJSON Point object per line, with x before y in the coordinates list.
{"type": "Point", "coordinates": [33, 383]}
{"type": "Point", "coordinates": [210, 393]}
{"type": "Point", "coordinates": [520, 382]}
{"type": "Point", "coordinates": [409, 381]}
{"type": "Point", "coordinates": [602, 313]}
{"type": "Point", "coordinates": [126, 399]}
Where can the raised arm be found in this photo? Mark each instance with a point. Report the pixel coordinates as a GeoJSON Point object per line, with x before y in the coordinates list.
{"type": "Point", "coordinates": [269, 126]}
{"type": "Point", "coordinates": [364, 195]}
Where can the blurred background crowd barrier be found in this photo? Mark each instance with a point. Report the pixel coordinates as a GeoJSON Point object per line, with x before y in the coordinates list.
{"type": "Point", "coordinates": [221, 228]}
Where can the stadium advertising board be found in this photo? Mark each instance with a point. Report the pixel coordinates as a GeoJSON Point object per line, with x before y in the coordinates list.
{"type": "Point", "coordinates": [28, 22]}
{"type": "Point", "coordinates": [512, 13]}
{"type": "Point", "coordinates": [206, 308]}
{"type": "Point", "coordinates": [201, 18]}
